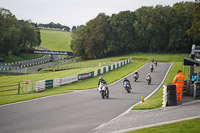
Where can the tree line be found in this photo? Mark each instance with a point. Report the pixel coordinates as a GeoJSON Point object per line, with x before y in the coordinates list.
{"type": "Point", "coordinates": [52, 25]}
{"type": "Point", "coordinates": [148, 29]}
{"type": "Point", "coordinates": [16, 34]}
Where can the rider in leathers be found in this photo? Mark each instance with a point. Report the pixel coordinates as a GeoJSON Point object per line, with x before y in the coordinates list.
{"type": "Point", "coordinates": [101, 80]}
{"type": "Point", "coordinates": [126, 80]}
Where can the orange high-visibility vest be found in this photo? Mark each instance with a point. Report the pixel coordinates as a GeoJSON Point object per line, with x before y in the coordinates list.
{"type": "Point", "coordinates": [178, 81]}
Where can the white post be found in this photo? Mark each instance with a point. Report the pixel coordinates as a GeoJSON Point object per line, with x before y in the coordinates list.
{"type": "Point", "coordinates": [164, 103]}
{"type": "Point", "coordinates": [25, 70]}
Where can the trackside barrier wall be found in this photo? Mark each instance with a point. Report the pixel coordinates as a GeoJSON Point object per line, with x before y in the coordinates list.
{"type": "Point", "coordinates": [40, 86]}
{"type": "Point", "coordinates": [47, 84]}
{"type": "Point", "coordinates": [197, 90]}
{"type": "Point", "coordinates": [164, 103]}
{"type": "Point", "coordinates": [169, 95]}
{"type": "Point", "coordinates": [95, 73]}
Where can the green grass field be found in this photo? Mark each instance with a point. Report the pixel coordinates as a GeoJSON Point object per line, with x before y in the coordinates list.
{"type": "Point", "coordinates": [13, 58]}
{"type": "Point", "coordinates": [56, 40]}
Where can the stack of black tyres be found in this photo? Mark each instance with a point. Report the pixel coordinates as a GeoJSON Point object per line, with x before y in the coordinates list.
{"type": "Point", "coordinates": [171, 95]}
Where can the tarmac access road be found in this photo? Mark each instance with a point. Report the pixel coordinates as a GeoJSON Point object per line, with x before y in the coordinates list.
{"type": "Point", "coordinates": [79, 111]}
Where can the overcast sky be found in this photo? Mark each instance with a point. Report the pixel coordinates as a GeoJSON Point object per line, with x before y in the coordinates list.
{"type": "Point", "coordinates": [74, 12]}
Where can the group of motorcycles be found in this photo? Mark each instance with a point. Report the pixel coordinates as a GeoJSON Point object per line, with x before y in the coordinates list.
{"type": "Point", "coordinates": [103, 89]}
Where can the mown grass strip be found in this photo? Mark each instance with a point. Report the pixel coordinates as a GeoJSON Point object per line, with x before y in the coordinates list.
{"type": "Point", "coordinates": [188, 126]}
{"type": "Point", "coordinates": [56, 40]}
{"type": "Point", "coordinates": [12, 58]}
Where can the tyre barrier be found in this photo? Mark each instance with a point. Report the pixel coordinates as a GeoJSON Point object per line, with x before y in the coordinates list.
{"type": "Point", "coordinates": [197, 90]}
{"type": "Point", "coordinates": [169, 95]}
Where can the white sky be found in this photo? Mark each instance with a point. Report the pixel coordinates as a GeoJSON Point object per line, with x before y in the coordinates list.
{"type": "Point", "coordinates": [74, 12]}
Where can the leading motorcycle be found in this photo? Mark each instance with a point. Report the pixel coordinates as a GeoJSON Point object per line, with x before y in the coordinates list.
{"type": "Point", "coordinates": [104, 91]}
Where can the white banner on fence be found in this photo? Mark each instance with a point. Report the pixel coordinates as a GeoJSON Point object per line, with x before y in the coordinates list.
{"type": "Point", "coordinates": [40, 85]}
{"type": "Point", "coordinates": [111, 67]}
{"type": "Point", "coordinates": [102, 71]}
{"type": "Point", "coordinates": [116, 65]}
{"type": "Point", "coordinates": [119, 64]}
{"type": "Point", "coordinates": [122, 63]}
{"type": "Point", "coordinates": [57, 82]}
{"type": "Point", "coordinates": [95, 73]}
{"type": "Point", "coordinates": [107, 68]}
{"type": "Point", "coordinates": [70, 79]}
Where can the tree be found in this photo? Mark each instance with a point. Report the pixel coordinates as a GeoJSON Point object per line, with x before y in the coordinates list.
{"type": "Point", "coordinates": [77, 43]}
{"type": "Point", "coordinates": [143, 27]}
{"type": "Point", "coordinates": [97, 33]}
{"type": "Point", "coordinates": [8, 32]}
{"type": "Point", "coordinates": [194, 31]}
{"type": "Point", "coordinates": [180, 22]}
{"type": "Point", "coordinates": [29, 36]}
{"type": "Point", "coordinates": [73, 28]}
{"type": "Point", "coordinates": [122, 37]}
{"type": "Point", "coordinates": [10, 41]}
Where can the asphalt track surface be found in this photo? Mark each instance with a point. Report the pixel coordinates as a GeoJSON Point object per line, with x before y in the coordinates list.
{"type": "Point", "coordinates": [80, 111]}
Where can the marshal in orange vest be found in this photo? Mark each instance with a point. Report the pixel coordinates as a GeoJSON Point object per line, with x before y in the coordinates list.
{"type": "Point", "coordinates": [178, 81]}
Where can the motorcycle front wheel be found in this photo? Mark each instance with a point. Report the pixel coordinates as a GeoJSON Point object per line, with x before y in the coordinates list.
{"type": "Point", "coordinates": [107, 93]}
{"type": "Point", "coordinates": [103, 94]}
{"type": "Point", "coordinates": [128, 89]}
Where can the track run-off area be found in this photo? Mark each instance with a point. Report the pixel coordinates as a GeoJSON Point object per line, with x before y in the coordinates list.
{"type": "Point", "coordinates": [80, 111]}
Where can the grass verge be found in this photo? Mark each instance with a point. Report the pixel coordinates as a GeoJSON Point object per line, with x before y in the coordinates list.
{"type": "Point", "coordinates": [12, 58]}
{"type": "Point", "coordinates": [188, 126]}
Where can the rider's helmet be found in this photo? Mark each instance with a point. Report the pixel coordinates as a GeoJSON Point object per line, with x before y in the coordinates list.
{"type": "Point", "coordinates": [136, 72]}
{"type": "Point", "coordinates": [100, 78]}
{"type": "Point", "coordinates": [148, 74]}
{"type": "Point", "coordinates": [125, 78]}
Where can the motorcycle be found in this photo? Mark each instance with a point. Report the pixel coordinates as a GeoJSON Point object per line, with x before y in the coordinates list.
{"type": "Point", "coordinates": [156, 63]}
{"type": "Point", "coordinates": [127, 87]}
{"type": "Point", "coordinates": [135, 76]}
{"type": "Point", "coordinates": [104, 91]}
{"type": "Point", "coordinates": [151, 68]}
{"type": "Point", "coordinates": [148, 80]}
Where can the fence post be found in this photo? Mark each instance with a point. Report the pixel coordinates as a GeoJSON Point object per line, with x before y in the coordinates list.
{"type": "Point", "coordinates": [19, 88]}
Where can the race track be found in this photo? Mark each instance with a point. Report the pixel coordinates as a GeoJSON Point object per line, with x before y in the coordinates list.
{"type": "Point", "coordinates": [80, 111]}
